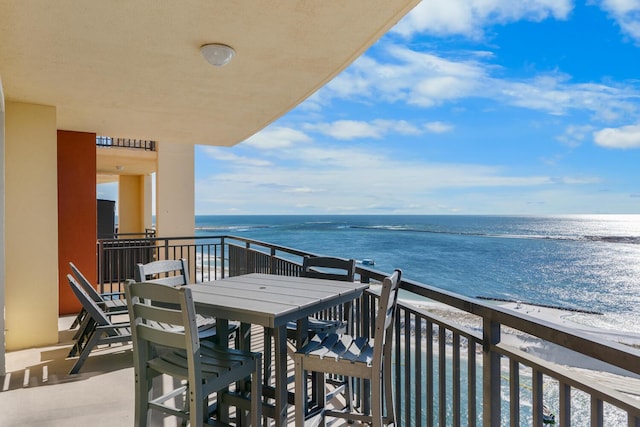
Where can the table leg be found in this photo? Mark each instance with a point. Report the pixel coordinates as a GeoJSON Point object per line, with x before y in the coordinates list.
{"type": "Point", "coordinates": [244, 386]}
{"type": "Point", "coordinates": [245, 336]}
{"type": "Point", "coordinates": [280, 338]}
{"type": "Point", "coordinates": [222, 330]}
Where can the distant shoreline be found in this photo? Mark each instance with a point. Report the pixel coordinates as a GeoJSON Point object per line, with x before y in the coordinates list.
{"type": "Point", "coordinates": [555, 307]}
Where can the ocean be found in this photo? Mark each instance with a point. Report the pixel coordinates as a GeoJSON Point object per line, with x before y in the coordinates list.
{"type": "Point", "coordinates": [578, 262]}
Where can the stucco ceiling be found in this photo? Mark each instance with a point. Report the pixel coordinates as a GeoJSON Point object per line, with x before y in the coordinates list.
{"type": "Point", "coordinates": [133, 69]}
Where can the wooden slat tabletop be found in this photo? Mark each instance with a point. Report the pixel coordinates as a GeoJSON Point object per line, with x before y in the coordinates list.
{"type": "Point", "coordinates": [270, 300]}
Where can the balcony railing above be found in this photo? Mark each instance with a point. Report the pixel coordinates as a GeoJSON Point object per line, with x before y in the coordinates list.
{"type": "Point", "coordinates": [446, 372]}
{"type": "Point", "coordinates": [106, 141]}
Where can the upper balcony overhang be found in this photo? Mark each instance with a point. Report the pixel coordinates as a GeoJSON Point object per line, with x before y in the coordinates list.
{"type": "Point", "coordinates": [114, 161]}
{"type": "Point", "coordinates": [134, 69]}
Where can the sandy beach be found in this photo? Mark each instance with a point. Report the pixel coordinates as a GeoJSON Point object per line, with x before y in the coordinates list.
{"type": "Point", "coordinates": [600, 372]}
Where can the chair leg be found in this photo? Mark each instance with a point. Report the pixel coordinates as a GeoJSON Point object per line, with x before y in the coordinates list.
{"type": "Point", "coordinates": [83, 327]}
{"type": "Point", "coordinates": [256, 393]}
{"type": "Point", "coordinates": [142, 391]}
{"type": "Point", "coordinates": [78, 319]}
{"type": "Point", "coordinates": [322, 398]}
{"type": "Point", "coordinates": [301, 392]}
{"type": "Point", "coordinates": [388, 393]}
{"type": "Point", "coordinates": [376, 402]}
{"type": "Point", "coordinates": [196, 406]}
{"type": "Point", "coordinates": [267, 356]}
{"type": "Point", "coordinates": [348, 393]}
{"type": "Point", "coordinates": [90, 344]}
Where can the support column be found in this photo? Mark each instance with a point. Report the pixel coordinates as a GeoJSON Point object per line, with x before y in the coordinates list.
{"type": "Point", "coordinates": [148, 202]}
{"type": "Point", "coordinates": [77, 216]}
{"type": "Point", "coordinates": [131, 204]}
{"type": "Point", "coordinates": [175, 190]}
{"type": "Point", "coordinates": [31, 220]}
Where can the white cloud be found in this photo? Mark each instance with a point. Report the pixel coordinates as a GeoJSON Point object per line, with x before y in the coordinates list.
{"type": "Point", "coordinates": [226, 155]}
{"type": "Point", "coordinates": [345, 179]}
{"type": "Point", "coordinates": [469, 17]}
{"type": "Point", "coordinates": [417, 78]}
{"type": "Point", "coordinates": [299, 190]}
{"type": "Point", "coordinates": [627, 14]}
{"type": "Point", "coordinates": [277, 138]}
{"type": "Point", "coordinates": [580, 180]}
{"type": "Point", "coordinates": [574, 135]}
{"type": "Point", "coordinates": [427, 80]}
{"type": "Point", "coordinates": [348, 129]}
{"type": "Point", "coordinates": [623, 137]}
{"type": "Point", "coordinates": [352, 129]}
{"type": "Point", "coordinates": [434, 90]}
{"type": "Point", "coordinates": [438, 127]}
{"type": "Point", "coordinates": [555, 94]}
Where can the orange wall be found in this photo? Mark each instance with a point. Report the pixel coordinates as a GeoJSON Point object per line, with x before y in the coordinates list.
{"type": "Point", "coordinates": [77, 217]}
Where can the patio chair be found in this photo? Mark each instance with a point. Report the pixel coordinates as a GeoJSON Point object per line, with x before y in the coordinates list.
{"type": "Point", "coordinates": [175, 272]}
{"type": "Point", "coordinates": [359, 357]}
{"type": "Point", "coordinates": [330, 268]}
{"type": "Point", "coordinates": [201, 368]}
{"type": "Point", "coordinates": [110, 302]}
{"type": "Point", "coordinates": [98, 328]}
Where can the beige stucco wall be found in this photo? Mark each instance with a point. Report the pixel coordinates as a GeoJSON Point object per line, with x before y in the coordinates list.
{"type": "Point", "coordinates": [175, 190]}
{"type": "Point", "coordinates": [2, 352]}
{"type": "Point", "coordinates": [131, 204]}
{"type": "Point", "coordinates": [31, 220]}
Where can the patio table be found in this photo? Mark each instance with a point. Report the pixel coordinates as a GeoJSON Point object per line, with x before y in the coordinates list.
{"type": "Point", "coordinates": [272, 301]}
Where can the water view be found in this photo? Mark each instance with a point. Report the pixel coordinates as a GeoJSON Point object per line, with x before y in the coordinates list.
{"type": "Point", "coordinates": [583, 263]}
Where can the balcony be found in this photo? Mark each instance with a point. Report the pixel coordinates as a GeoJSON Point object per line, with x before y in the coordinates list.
{"type": "Point", "coordinates": [455, 361]}
{"type": "Point", "coordinates": [106, 141]}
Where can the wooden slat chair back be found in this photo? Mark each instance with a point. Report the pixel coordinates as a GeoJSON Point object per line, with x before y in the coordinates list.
{"type": "Point", "coordinates": [359, 357]}
{"type": "Point", "coordinates": [180, 354]}
{"type": "Point", "coordinates": [112, 305]}
{"type": "Point", "coordinates": [175, 272]}
{"type": "Point", "coordinates": [169, 272]}
{"type": "Point", "coordinates": [98, 330]}
{"type": "Point", "coordinates": [329, 268]}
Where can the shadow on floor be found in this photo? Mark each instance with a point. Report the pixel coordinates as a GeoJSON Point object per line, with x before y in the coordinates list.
{"type": "Point", "coordinates": [50, 365]}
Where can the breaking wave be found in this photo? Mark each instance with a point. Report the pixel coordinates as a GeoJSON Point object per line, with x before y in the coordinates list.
{"type": "Point", "coordinates": [634, 240]}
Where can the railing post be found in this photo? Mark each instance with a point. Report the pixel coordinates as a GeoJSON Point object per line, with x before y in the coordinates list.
{"type": "Point", "coordinates": [101, 265]}
{"type": "Point", "coordinates": [166, 248]}
{"type": "Point", "coordinates": [272, 264]}
{"type": "Point", "coordinates": [364, 278]}
{"type": "Point", "coordinates": [222, 257]}
{"type": "Point", "coordinates": [247, 247]}
{"type": "Point", "coordinates": [491, 374]}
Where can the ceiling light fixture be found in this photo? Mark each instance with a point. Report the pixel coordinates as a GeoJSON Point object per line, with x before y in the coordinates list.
{"type": "Point", "coordinates": [217, 54]}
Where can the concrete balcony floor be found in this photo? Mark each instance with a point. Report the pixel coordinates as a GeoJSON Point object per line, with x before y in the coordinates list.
{"type": "Point", "coordinates": [38, 391]}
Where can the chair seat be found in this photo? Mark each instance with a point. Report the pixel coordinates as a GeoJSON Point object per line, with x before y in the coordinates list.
{"type": "Point", "coordinates": [115, 305]}
{"type": "Point", "coordinates": [216, 363]}
{"type": "Point", "coordinates": [207, 327]}
{"type": "Point", "coordinates": [316, 326]}
{"type": "Point", "coordinates": [342, 348]}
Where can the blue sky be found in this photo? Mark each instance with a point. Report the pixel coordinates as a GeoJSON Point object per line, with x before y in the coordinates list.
{"type": "Point", "coordinates": [464, 107]}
